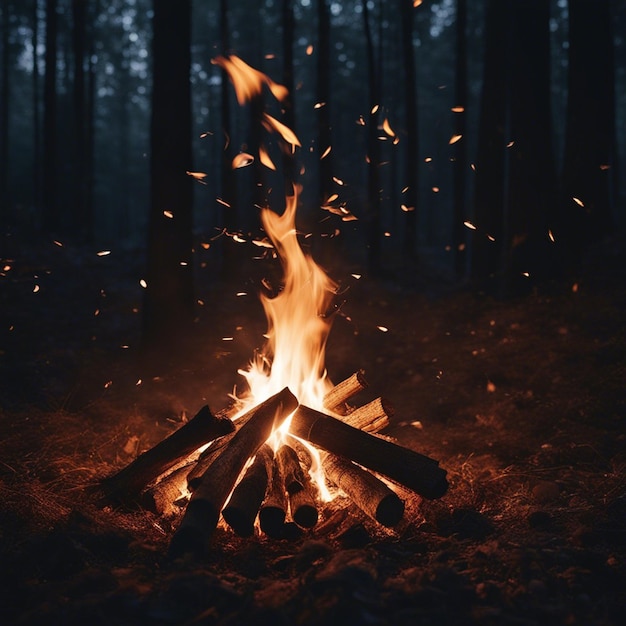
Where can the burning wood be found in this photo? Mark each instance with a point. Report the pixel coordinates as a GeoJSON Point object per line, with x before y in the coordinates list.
{"type": "Point", "coordinates": [300, 490]}
{"type": "Point", "coordinates": [203, 510]}
{"type": "Point", "coordinates": [273, 511]}
{"type": "Point", "coordinates": [244, 503]}
{"type": "Point", "coordinates": [126, 485]}
{"type": "Point", "coordinates": [402, 465]}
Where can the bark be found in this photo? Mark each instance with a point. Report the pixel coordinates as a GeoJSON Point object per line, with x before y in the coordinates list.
{"type": "Point", "coordinates": [169, 296]}
{"type": "Point", "coordinates": [204, 508]}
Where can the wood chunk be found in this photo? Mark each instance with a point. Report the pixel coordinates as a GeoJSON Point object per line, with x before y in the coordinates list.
{"type": "Point", "coordinates": [204, 508]}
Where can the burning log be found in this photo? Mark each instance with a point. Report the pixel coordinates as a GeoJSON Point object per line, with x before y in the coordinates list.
{"type": "Point", "coordinates": [369, 493]}
{"type": "Point", "coordinates": [204, 508]}
{"type": "Point", "coordinates": [370, 417]}
{"type": "Point", "coordinates": [297, 483]}
{"type": "Point", "coordinates": [126, 485]}
{"type": "Point", "coordinates": [402, 465]}
{"type": "Point", "coordinates": [244, 503]}
{"type": "Point", "coordinates": [161, 496]}
{"type": "Point", "coordinates": [337, 396]}
{"type": "Point", "coordinates": [273, 511]}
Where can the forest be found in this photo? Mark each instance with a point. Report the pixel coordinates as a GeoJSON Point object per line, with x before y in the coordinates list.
{"type": "Point", "coordinates": [458, 172]}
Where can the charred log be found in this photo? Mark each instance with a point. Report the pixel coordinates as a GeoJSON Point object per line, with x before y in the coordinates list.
{"type": "Point", "coordinates": [127, 484]}
{"type": "Point", "coordinates": [204, 508]}
{"type": "Point", "coordinates": [402, 465]}
{"type": "Point", "coordinates": [243, 506]}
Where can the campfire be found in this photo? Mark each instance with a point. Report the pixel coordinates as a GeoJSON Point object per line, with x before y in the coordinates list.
{"type": "Point", "coordinates": [294, 441]}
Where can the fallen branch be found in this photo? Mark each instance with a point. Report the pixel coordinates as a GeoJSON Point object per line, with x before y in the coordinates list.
{"type": "Point", "coordinates": [126, 485]}
{"type": "Point", "coordinates": [402, 465]}
{"type": "Point", "coordinates": [203, 510]}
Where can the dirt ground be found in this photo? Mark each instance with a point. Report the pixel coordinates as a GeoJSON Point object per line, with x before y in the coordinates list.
{"type": "Point", "coordinates": [522, 401]}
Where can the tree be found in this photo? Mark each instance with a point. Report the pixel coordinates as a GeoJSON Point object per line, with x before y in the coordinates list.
{"type": "Point", "coordinates": [81, 220]}
{"type": "Point", "coordinates": [492, 131]}
{"type": "Point", "coordinates": [373, 151]}
{"type": "Point", "coordinates": [412, 126]}
{"type": "Point", "coordinates": [586, 204]}
{"type": "Point", "coordinates": [4, 115]}
{"type": "Point", "coordinates": [532, 177]}
{"type": "Point", "coordinates": [49, 175]}
{"type": "Point", "coordinates": [169, 296]}
{"type": "Point", "coordinates": [460, 147]}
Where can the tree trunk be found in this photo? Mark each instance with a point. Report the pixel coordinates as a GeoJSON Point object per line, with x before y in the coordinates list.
{"type": "Point", "coordinates": [459, 232]}
{"type": "Point", "coordinates": [79, 184]}
{"type": "Point", "coordinates": [169, 301]}
{"type": "Point", "coordinates": [590, 131]}
{"type": "Point", "coordinates": [36, 113]}
{"type": "Point", "coordinates": [4, 117]}
{"type": "Point", "coordinates": [532, 170]}
{"type": "Point", "coordinates": [490, 187]}
{"type": "Point", "coordinates": [289, 119]}
{"type": "Point", "coordinates": [373, 153]}
{"type": "Point", "coordinates": [412, 130]}
{"type": "Point", "coordinates": [49, 182]}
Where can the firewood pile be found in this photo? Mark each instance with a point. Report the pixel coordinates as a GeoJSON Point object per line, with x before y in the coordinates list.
{"type": "Point", "coordinates": [241, 478]}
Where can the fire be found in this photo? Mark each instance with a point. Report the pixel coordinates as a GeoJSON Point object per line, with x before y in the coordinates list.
{"type": "Point", "coordinates": [298, 326]}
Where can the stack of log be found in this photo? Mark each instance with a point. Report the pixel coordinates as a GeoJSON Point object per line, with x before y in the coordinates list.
{"type": "Point", "coordinates": [274, 487]}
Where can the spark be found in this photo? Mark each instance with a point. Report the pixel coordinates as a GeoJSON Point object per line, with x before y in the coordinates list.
{"type": "Point", "coordinates": [326, 152]}
{"type": "Point", "coordinates": [239, 294]}
{"type": "Point", "coordinates": [387, 128]}
{"type": "Point", "coordinates": [35, 288]}
{"type": "Point", "coordinates": [139, 381]}
{"type": "Point", "coordinates": [490, 387]}
{"type": "Point", "coordinates": [243, 159]}
{"type": "Point", "coordinates": [407, 209]}
{"type": "Point", "coordinates": [206, 245]}
{"type": "Point", "coordinates": [550, 236]}
{"type": "Point", "coordinates": [457, 109]}
{"type": "Point", "coordinates": [356, 276]}
{"type": "Point", "coordinates": [428, 160]}
{"type": "Point", "coordinates": [338, 180]}
{"type": "Point", "coordinates": [578, 201]}
{"type": "Point", "coordinates": [374, 109]}
{"type": "Point", "coordinates": [168, 214]}
{"type": "Point", "coordinates": [285, 132]}
{"type": "Point", "coordinates": [469, 225]}
{"type": "Point", "coordinates": [57, 243]}
{"type": "Point", "coordinates": [197, 175]}
{"type": "Point", "coordinates": [454, 139]}
{"type": "Point", "coordinates": [265, 159]}
{"type": "Point", "coordinates": [309, 50]}
{"type": "Point", "coordinates": [510, 144]}
{"type": "Point", "coordinates": [436, 189]}
{"type": "Point", "coordinates": [383, 329]}
{"type": "Point", "coordinates": [108, 384]}
{"type": "Point", "coordinates": [228, 338]}
{"type": "Point", "coordinates": [319, 105]}
{"type": "Point", "coordinates": [222, 202]}
{"type": "Point", "coordinates": [143, 283]}
{"type": "Point", "coordinates": [103, 253]}
{"type": "Point", "coordinates": [206, 134]}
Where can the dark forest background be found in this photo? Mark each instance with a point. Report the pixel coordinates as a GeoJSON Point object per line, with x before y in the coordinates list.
{"type": "Point", "coordinates": [477, 142]}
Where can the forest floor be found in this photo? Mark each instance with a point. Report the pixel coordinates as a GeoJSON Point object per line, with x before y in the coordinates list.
{"type": "Point", "coordinates": [522, 401]}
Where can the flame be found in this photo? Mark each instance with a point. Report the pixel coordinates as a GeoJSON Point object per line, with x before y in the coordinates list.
{"type": "Point", "coordinates": [297, 323]}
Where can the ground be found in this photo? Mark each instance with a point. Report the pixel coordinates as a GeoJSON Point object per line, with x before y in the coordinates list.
{"type": "Point", "coordinates": [522, 401]}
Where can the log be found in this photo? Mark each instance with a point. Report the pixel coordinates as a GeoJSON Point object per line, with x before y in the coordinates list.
{"type": "Point", "coordinates": [160, 497]}
{"type": "Point", "coordinates": [203, 510]}
{"type": "Point", "coordinates": [300, 490]}
{"type": "Point", "coordinates": [126, 485]}
{"type": "Point", "coordinates": [402, 465]}
{"type": "Point", "coordinates": [273, 511]}
{"type": "Point", "coordinates": [370, 417]}
{"type": "Point", "coordinates": [367, 491]}
{"type": "Point", "coordinates": [212, 452]}
{"type": "Point", "coordinates": [337, 396]}
{"type": "Point", "coordinates": [244, 503]}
